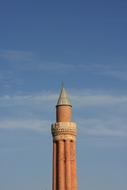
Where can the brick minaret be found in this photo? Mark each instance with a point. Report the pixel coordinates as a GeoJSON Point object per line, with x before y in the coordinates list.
{"type": "Point", "coordinates": [64, 146]}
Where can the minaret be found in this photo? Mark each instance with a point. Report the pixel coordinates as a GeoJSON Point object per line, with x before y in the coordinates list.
{"type": "Point", "coordinates": [64, 146]}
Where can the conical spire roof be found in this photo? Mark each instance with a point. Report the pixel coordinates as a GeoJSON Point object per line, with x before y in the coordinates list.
{"type": "Point", "coordinates": [63, 98]}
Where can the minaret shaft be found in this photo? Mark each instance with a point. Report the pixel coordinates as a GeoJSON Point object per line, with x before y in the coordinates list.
{"type": "Point", "coordinates": [54, 166]}
{"type": "Point", "coordinates": [63, 113]}
{"type": "Point", "coordinates": [68, 164]}
{"type": "Point", "coordinates": [64, 146]}
{"type": "Point", "coordinates": [61, 167]}
{"type": "Point", "coordinates": [64, 165]}
{"type": "Point", "coordinates": [73, 166]}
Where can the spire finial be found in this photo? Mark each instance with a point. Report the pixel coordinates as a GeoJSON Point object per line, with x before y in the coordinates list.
{"type": "Point", "coordinates": [62, 84]}
{"type": "Point", "coordinates": [63, 98]}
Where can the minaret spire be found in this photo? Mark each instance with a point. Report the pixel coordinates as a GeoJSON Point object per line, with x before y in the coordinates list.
{"type": "Point", "coordinates": [63, 98]}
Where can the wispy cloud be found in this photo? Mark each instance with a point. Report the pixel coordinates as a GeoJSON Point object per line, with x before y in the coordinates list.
{"type": "Point", "coordinates": [117, 71]}
{"type": "Point", "coordinates": [109, 70]}
{"type": "Point", "coordinates": [28, 61]}
{"type": "Point", "coordinates": [121, 73]}
{"type": "Point", "coordinates": [80, 99]}
{"type": "Point", "coordinates": [112, 122]}
{"type": "Point", "coordinates": [28, 124]}
{"type": "Point", "coordinates": [111, 126]}
{"type": "Point", "coordinates": [98, 100]}
{"type": "Point", "coordinates": [40, 99]}
{"type": "Point", "coordinates": [15, 55]}
{"type": "Point", "coordinates": [86, 127]}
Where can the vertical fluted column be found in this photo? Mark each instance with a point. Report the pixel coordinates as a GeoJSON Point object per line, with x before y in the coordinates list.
{"type": "Point", "coordinates": [54, 166]}
{"type": "Point", "coordinates": [61, 168]}
{"type": "Point", "coordinates": [67, 165]}
{"type": "Point", "coordinates": [73, 166]}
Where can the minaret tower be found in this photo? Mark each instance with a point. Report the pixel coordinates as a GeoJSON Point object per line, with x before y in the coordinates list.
{"type": "Point", "coordinates": [64, 146]}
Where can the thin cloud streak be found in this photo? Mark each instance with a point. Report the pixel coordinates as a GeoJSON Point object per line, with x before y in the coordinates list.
{"type": "Point", "coordinates": [15, 55]}
{"type": "Point", "coordinates": [86, 127]}
{"type": "Point", "coordinates": [27, 124]}
{"type": "Point", "coordinates": [102, 127]}
{"type": "Point", "coordinates": [98, 100]}
{"type": "Point", "coordinates": [23, 100]}
{"type": "Point", "coordinates": [80, 100]}
{"type": "Point", "coordinates": [27, 61]}
{"type": "Point", "coordinates": [106, 124]}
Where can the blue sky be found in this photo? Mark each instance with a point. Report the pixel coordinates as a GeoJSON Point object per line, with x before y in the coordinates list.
{"type": "Point", "coordinates": [84, 44]}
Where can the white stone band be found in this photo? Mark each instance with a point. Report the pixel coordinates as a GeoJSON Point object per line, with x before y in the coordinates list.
{"type": "Point", "coordinates": [64, 131]}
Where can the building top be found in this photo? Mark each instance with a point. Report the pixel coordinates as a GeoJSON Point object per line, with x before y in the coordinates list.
{"type": "Point", "coordinates": [63, 98]}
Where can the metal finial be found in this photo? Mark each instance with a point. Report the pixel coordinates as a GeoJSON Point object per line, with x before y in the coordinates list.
{"type": "Point", "coordinates": [62, 84]}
